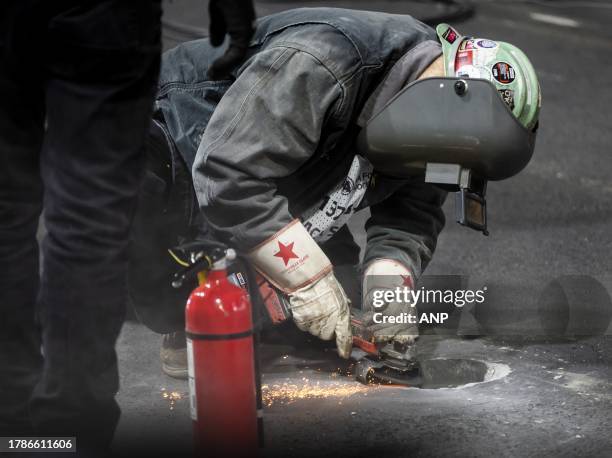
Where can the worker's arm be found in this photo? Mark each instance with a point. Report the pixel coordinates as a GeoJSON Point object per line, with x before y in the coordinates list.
{"type": "Point", "coordinates": [402, 235]}
{"type": "Point", "coordinates": [405, 226]}
{"type": "Point", "coordinates": [266, 126]}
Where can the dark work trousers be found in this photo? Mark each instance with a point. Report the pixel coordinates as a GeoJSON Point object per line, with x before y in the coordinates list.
{"type": "Point", "coordinates": [77, 82]}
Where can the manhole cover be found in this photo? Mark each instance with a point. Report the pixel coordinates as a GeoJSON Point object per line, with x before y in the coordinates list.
{"type": "Point", "coordinates": [449, 373]}
{"type": "Point", "coordinates": [437, 373]}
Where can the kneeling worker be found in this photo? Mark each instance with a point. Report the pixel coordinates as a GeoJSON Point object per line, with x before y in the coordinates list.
{"type": "Point", "coordinates": [278, 169]}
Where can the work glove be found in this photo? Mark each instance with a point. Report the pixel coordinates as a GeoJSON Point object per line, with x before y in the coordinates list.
{"type": "Point", "coordinates": [293, 262]}
{"type": "Point", "coordinates": [234, 18]}
{"type": "Point", "coordinates": [387, 275]}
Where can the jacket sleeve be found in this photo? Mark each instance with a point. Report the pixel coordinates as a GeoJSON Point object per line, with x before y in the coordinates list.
{"type": "Point", "coordinates": [405, 226]}
{"type": "Point", "coordinates": [265, 127]}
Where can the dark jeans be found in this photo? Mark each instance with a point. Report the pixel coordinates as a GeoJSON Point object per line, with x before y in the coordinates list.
{"type": "Point", "coordinates": [77, 81]}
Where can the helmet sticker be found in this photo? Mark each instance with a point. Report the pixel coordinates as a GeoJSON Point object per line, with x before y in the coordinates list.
{"type": "Point", "coordinates": [469, 71]}
{"type": "Point", "coordinates": [486, 43]}
{"type": "Point", "coordinates": [467, 45]}
{"type": "Point", "coordinates": [463, 58]}
{"type": "Point", "coordinates": [470, 63]}
{"type": "Point", "coordinates": [450, 35]}
{"type": "Point", "coordinates": [508, 97]}
{"type": "Point", "coordinates": [483, 56]}
{"type": "Point", "coordinates": [503, 72]}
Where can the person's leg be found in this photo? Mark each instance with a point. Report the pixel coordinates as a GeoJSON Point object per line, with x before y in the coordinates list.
{"type": "Point", "coordinates": [21, 130]}
{"type": "Point", "coordinates": [103, 65]}
{"type": "Point", "coordinates": [166, 205]}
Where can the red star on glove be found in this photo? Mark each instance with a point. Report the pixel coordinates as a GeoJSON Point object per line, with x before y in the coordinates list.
{"type": "Point", "coordinates": [286, 252]}
{"type": "Point", "coordinates": [407, 280]}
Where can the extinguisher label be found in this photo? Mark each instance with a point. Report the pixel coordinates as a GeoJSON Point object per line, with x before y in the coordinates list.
{"type": "Point", "coordinates": [193, 406]}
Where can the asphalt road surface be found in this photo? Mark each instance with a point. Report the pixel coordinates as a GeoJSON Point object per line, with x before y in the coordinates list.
{"type": "Point", "coordinates": [541, 397]}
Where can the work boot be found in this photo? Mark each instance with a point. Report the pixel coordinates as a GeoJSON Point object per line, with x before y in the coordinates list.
{"type": "Point", "coordinates": [173, 355]}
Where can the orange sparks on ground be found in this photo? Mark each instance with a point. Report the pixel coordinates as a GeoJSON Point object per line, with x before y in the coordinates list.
{"type": "Point", "coordinates": [286, 393]}
{"type": "Point", "coordinates": [171, 396]}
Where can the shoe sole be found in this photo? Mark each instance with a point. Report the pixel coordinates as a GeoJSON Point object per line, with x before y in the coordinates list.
{"type": "Point", "coordinates": [175, 372]}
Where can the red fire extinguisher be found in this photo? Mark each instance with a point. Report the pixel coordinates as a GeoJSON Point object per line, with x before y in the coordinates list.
{"type": "Point", "coordinates": [223, 384]}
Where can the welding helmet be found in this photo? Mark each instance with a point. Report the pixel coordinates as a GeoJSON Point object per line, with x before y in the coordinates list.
{"type": "Point", "coordinates": [477, 123]}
